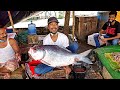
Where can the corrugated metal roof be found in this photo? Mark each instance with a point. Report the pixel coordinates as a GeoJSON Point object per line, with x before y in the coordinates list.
{"type": "Point", "coordinates": [39, 23]}
{"type": "Point", "coordinates": [16, 16]}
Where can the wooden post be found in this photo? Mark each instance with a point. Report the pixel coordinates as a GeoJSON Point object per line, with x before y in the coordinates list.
{"type": "Point", "coordinates": [66, 22]}
{"type": "Point", "coordinates": [11, 21]}
{"type": "Point", "coordinates": [73, 27]}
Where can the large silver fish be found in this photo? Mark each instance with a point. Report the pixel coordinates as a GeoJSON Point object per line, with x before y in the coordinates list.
{"type": "Point", "coordinates": [55, 56]}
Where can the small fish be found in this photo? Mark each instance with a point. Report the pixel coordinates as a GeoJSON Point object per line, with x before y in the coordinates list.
{"type": "Point", "coordinates": [55, 56]}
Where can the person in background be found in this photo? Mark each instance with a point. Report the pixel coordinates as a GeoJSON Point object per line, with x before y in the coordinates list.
{"type": "Point", "coordinates": [111, 29]}
{"type": "Point", "coordinates": [53, 38]}
{"type": "Point", "coordinates": [9, 54]}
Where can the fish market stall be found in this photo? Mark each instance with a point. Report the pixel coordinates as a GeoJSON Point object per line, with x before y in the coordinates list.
{"type": "Point", "coordinates": [109, 58]}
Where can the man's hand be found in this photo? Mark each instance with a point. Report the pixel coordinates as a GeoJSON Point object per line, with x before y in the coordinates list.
{"type": "Point", "coordinates": [104, 40]}
{"type": "Point", "coordinates": [67, 69]}
{"type": "Point", "coordinates": [18, 57]}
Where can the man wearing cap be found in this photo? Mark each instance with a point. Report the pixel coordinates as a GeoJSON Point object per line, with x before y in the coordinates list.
{"type": "Point", "coordinates": [55, 38]}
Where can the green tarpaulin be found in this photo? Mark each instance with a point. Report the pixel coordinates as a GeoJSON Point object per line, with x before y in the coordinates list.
{"type": "Point", "coordinates": [101, 55]}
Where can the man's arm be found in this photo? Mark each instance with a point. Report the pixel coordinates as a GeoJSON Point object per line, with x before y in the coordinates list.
{"type": "Point", "coordinates": [15, 47]}
{"type": "Point", "coordinates": [116, 37]}
{"type": "Point", "coordinates": [102, 31]}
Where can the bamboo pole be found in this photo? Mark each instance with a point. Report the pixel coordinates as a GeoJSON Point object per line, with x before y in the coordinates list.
{"type": "Point", "coordinates": [11, 21]}
{"type": "Point", "coordinates": [73, 27]}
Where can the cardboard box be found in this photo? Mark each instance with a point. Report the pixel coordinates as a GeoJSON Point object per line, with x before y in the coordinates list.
{"type": "Point", "coordinates": [91, 40]}
{"type": "Point", "coordinates": [32, 39]}
{"type": "Point", "coordinates": [36, 39]}
{"type": "Point", "coordinates": [106, 74]}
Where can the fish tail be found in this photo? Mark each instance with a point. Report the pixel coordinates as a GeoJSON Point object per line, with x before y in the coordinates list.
{"type": "Point", "coordinates": [83, 58]}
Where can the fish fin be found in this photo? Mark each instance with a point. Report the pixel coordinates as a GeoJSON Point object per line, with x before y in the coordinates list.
{"type": "Point", "coordinates": [45, 62]}
{"type": "Point", "coordinates": [85, 53]}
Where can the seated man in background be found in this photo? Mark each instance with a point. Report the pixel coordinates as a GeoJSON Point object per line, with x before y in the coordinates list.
{"type": "Point", "coordinates": [9, 54]}
{"type": "Point", "coordinates": [111, 29]}
{"type": "Point", "coordinates": [54, 38]}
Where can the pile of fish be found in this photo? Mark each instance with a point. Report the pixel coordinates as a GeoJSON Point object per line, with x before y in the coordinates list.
{"type": "Point", "coordinates": [114, 60]}
{"type": "Point", "coordinates": [116, 56]}
{"type": "Point", "coordinates": [55, 56]}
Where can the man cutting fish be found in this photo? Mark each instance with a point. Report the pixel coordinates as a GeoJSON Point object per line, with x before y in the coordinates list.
{"type": "Point", "coordinates": [53, 38]}
{"type": "Point", "coordinates": [9, 54]}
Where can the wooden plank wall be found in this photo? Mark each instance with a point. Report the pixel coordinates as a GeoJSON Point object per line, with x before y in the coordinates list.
{"type": "Point", "coordinates": [85, 26]}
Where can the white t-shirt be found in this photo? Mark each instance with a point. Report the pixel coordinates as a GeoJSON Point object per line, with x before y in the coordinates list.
{"type": "Point", "coordinates": [61, 41]}
{"type": "Point", "coordinates": [6, 53]}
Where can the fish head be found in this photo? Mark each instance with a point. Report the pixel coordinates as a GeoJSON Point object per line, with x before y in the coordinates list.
{"type": "Point", "coordinates": [36, 53]}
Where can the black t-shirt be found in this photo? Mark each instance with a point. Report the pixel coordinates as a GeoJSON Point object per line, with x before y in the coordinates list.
{"type": "Point", "coordinates": [111, 30]}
